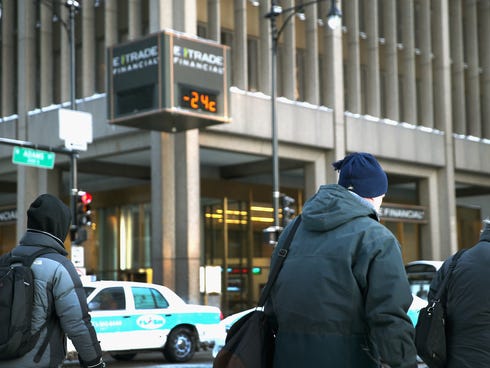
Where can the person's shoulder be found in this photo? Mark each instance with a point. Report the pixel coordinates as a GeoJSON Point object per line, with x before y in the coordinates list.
{"type": "Point", "coordinates": [376, 226]}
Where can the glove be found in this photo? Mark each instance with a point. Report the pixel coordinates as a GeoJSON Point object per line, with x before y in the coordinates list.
{"type": "Point", "coordinates": [100, 364]}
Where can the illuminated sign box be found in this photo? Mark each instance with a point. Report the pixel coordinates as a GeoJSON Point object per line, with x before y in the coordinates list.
{"type": "Point", "coordinates": [169, 82]}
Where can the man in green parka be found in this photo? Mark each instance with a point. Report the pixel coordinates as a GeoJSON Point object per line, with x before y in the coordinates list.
{"type": "Point", "coordinates": [342, 295]}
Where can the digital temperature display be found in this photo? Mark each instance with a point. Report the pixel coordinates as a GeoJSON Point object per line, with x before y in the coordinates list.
{"type": "Point", "coordinates": [199, 100]}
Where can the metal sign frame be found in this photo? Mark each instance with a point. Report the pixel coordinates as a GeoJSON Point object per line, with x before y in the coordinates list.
{"type": "Point", "coordinates": [169, 81]}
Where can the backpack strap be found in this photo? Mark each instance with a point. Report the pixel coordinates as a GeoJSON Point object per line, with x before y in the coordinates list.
{"type": "Point", "coordinates": [441, 293]}
{"type": "Point", "coordinates": [49, 324]}
{"type": "Point", "coordinates": [281, 254]}
{"type": "Point", "coordinates": [27, 260]}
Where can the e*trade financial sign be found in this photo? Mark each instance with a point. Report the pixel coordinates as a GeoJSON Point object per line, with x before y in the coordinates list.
{"type": "Point", "coordinates": [170, 82]}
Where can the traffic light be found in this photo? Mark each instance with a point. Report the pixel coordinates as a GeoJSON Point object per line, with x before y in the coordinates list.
{"type": "Point", "coordinates": [271, 235]}
{"type": "Point", "coordinates": [288, 211]}
{"type": "Point", "coordinates": [84, 211]}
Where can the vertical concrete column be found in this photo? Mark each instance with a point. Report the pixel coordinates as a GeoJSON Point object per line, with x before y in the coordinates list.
{"type": "Point", "coordinates": [443, 114]}
{"type": "Point", "coordinates": [392, 99]}
{"type": "Point", "coordinates": [185, 16]}
{"type": "Point", "coordinates": [457, 67]}
{"type": "Point", "coordinates": [239, 65]}
{"type": "Point", "coordinates": [187, 214]}
{"type": "Point", "coordinates": [473, 72]}
{"type": "Point", "coordinates": [430, 236]}
{"type": "Point", "coordinates": [484, 37]}
{"type": "Point", "coordinates": [354, 103]}
{"type": "Point", "coordinates": [372, 89]}
{"type": "Point", "coordinates": [134, 21]}
{"type": "Point", "coordinates": [160, 14]}
{"type": "Point", "coordinates": [265, 45]}
{"type": "Point", "coordinates": [188, 188]}
{"type": "Point", "coordinates": [162, 202]}
{"type": "Point", "coordinates": [327, 72]}
{"type": "Point", "coordinates": [8, 55]}
{"type": "Point", "coordinates": [409, 90]}
{"type": "Point", "coordinates": [315, 175]}
{"type": "Point", "coordinates": [46, 50]}
{"type": "Point", "coordinates": [176, 243]}
{"type": "Point", "coordinates": [111, 29]}
{"type": "Point", "coordinates": [333, 71]}
{"type": "Point", "coordinates": [214, 20]}
{"type": "Point", "coordinates": [27, 178]}
{"type": "Point", "coordinates": [88, 49]}
{"type": "Point", "coordinates": [65, 54]}
{"type": "Point", "coordinates": [426, 90]}
{"type": "Point", "coordinates": [287, 75]}
{"type": "Point", "coordinates": [26, 61]}
{"type": "Point", "coordinates": [162, 178]}
{"type": "Point", "coordinates": [50, 182]}
{"type": "Point", "coordinates": [312, 90]}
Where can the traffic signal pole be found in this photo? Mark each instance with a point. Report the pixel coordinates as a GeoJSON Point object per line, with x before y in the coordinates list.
{"type": "Point", "coordinates": [74, 195]}
{"type": "Point", "coordinates": [73, 6]}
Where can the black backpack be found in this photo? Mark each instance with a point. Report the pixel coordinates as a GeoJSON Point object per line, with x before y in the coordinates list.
{"type": "Point", "coordinates": [16, 301]}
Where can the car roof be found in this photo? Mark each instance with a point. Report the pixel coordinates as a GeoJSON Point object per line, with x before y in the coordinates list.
{"type": "Point", "coordinates": [118, 283]}
{"type": "Point", "coordinates": [422, 269]}
{"type": "Point", "coordinates": [423, 265]}
{"type": "Point", "coordinates": [169, 293]}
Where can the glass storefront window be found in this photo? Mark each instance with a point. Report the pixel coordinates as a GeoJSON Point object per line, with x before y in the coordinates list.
{"type": "Point", "coordinates": [233, 239]}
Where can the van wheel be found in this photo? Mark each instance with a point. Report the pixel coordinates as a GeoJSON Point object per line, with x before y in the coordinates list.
{"type": "Point", "coordinates": [180, 346]}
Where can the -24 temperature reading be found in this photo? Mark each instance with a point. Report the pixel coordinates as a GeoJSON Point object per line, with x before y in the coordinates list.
{"type": "Point", "coordinates": [196, 99]}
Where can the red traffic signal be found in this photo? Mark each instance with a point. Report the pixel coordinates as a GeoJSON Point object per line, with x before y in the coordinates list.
{"type": "Point", "coordinates": [84, 197]}
{"type": "Point", "coordinates": [84, 211]}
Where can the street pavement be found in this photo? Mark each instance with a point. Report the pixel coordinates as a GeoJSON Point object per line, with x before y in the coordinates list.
{"type": "Point", "coordinates": [202, 359]}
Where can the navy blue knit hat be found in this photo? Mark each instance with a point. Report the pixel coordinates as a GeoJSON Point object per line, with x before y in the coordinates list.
{"type": "Point", "coordinates": [361, 173]}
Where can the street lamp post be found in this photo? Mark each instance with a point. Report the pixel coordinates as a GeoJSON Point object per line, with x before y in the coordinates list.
{"type": "Point", "coordinates": [334, 16]}
{"type": "Point", "coordinates": [73, 7]}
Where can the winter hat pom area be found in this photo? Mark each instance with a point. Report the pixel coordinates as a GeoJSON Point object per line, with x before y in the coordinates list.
{"type": "Point", "coordinates": [361, 173]}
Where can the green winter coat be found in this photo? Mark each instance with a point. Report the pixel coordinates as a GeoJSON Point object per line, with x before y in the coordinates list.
{"type": "Point", "coordinates": [341, 298]}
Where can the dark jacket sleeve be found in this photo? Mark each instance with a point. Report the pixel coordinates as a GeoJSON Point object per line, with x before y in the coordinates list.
{"type": "Point", "coordinates": [388, 298]}
{"type": "Point", "coordinates": [71, 308]}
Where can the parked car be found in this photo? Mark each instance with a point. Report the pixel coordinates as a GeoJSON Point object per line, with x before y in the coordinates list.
{"type": "Point", "coordinates": [417, 304]}
{"type": "Point", "coordinates": [413, 312]}
{"type": "Point", "coordinates": [420, 274]}
{"type": "Point", "coordinates": [224, 327]}
{"type": "Point", "coordinates": [130, 317]}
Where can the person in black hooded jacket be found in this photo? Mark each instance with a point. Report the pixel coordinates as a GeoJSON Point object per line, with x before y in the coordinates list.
{"type": "Point", "coordinates": [468, 305]}
{"type": "Point", "coordinates": [60, 305]}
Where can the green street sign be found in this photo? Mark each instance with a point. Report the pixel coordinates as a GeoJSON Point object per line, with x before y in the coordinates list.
{"type": "Point", "coordinates": [33, 157]}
